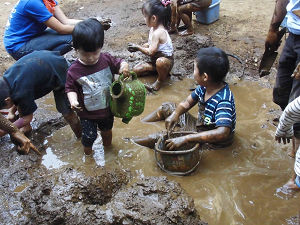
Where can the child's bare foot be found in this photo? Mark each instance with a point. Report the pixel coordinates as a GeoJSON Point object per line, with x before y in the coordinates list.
{"type": "Point", "coordinates": [88, 150]}
{"type": "Point", "coordinates": [291, 185]}
{"type": "Point", "coordinates": [186, 33]}
{"type": "Point", "coordinates": [153, 87]}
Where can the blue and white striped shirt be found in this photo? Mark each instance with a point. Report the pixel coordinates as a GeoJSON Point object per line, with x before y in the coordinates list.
{"type": "Point", "coordinates": [218, 110]}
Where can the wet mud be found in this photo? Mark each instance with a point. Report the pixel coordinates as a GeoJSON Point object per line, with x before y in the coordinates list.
{"type": "Point", "coordinates": [34, 194]}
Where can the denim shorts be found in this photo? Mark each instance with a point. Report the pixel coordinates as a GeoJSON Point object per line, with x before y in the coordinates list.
{"type": "Point", "coordinates": [48, 40]}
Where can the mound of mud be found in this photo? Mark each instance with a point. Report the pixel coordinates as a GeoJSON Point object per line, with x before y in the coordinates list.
{"type": "Point", "coordinates": [74, 198]}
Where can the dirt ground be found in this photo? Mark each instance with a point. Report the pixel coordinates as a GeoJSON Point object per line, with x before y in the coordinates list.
{"type": "Point", "coordinates": [70, 197]}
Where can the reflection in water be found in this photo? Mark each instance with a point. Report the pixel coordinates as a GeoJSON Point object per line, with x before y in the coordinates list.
{"type": "Point", "coordinates": [51, 161]}
{"type": "Point", "coordinates": [236, 185]}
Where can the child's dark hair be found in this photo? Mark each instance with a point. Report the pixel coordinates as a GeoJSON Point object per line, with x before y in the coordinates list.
{"type": "Point", "coordinates": [88, 35]}
{"type": "Point", "coordinates": [157, 8]}
{"type": "Point", "coordinates": [214, 62]}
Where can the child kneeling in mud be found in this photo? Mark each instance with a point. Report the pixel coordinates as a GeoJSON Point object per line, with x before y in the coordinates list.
{"type": "Point", "coordinates": [216, 116]}
{"type": "Point", "coordinates": [157, 15]}
{"type": "Point", "coordinates": [88, 82]}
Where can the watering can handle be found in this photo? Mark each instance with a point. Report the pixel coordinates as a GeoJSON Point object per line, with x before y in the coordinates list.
{"type": "Point", "coordinates": [133, 76]}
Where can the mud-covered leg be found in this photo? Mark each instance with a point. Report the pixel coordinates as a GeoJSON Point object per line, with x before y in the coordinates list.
{"type": "Point", "coordinates": [143, 69]}
{"type": "Point", "coordinates": [73, 120]}
{"type": "Point", "coordinates": [163, 68]}
{"type": "Point", "coordinates": [174, 17]}
{"type": "Point", "coordinates": [184, 12]}
{"type": "Point", "coordinates": [106, 137]}
{"type": "Point", "coordinates": [161, 113]}
{"type": "Point", "coordinates": [148, 141]}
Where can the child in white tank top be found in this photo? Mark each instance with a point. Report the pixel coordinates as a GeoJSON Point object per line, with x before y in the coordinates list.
{"type": "Point", "coordinates": [157, 15]}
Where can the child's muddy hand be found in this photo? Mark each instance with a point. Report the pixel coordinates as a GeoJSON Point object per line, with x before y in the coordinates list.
{"type": "Point", "coordinates": [75, 106]}
{"type": "Point", "coordinates": [283, 139]}
{"type": "Point", "coordinates": [296, 73]}
{"type": "Point", "coordinates": [132, 47]}
{"type": "Point", "coordinates": [175, 143]}
{"type": "Point", "coordinates": [171, 121]}
{"type": "Point", "coordinates": [126, 73]}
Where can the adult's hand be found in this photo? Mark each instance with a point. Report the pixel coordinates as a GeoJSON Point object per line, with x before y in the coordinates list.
{"type": "Point", "coordinates": [273, 40]}
{"type": "Point", "coordinates": [25, 144]}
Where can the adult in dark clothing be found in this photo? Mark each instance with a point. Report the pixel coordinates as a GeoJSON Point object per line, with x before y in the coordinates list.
{"type": "Point", "coordinates": [31, 78]}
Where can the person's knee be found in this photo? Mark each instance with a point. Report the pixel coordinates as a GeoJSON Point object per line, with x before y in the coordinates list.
{"type": "Point", "coordinates": [162, 63]}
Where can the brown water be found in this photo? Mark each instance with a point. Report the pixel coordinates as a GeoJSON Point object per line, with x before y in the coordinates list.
{"type": "Point", "coordinates": [237, 185]}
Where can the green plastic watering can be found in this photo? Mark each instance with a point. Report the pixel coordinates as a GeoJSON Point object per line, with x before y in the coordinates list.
{"type": "Point", "coordinates": [128, 97]}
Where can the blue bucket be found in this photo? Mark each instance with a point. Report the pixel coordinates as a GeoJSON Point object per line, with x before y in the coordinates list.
{"type": "Point", "coordinates": [209, 15]}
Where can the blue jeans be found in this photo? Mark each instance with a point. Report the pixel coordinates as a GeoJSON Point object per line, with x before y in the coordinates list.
{"type": "Point", "coordinates": [48, 40]}
{"type": "Point", "coordinates": [286, 88]}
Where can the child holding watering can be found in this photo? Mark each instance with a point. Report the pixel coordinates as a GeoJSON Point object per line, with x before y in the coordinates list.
{"type": "Point", "coordinates": [88, 82]}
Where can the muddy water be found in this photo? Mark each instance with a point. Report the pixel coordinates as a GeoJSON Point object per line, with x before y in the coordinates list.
{"type": "Point", "coordinates": [237, 185]}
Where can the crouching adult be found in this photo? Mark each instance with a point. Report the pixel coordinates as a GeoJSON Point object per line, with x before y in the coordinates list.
{"type": "Point", "coordinates": [32, 77]}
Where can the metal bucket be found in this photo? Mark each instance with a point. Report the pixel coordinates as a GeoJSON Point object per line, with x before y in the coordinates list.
{"type": "Point", "coordinates": [182, 161]}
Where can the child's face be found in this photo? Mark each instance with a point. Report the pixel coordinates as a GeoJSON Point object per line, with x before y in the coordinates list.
{"type": "Point", "coordinates": [149, 20]}
{"type": "Point", "coordinates": [89, 58]}
{"type": "Point", "coordinates": [199, 78]}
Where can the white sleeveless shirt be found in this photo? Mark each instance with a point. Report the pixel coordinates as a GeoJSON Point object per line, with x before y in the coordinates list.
{"type": "Point", "coordinates": [165, 48]}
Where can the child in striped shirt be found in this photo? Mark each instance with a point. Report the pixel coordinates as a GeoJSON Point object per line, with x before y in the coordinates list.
{"type": "Point", "coordinates": [216, 109]}
{"type": "Point", "coordinates": [214, 99]}
{"type": "Point", "coordinates": [284, 133]}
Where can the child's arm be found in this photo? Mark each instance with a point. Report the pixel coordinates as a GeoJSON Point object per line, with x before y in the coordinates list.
{"type": "Point", "coordinates": [73, 99]}
{"type": "Point", "coordinates": [153, 47]}
{"type": "Point", "coordinates": [183, 107]}
{"type": "Point", "coordinates": [290, 115]}
{"type": "Point", "coordinates": [211, 136]}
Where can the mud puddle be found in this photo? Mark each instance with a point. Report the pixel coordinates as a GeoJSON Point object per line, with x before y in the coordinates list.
{"type": "Point", "coordinates": [231, 186]}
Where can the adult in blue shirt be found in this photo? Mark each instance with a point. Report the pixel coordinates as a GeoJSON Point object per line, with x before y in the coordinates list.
{"type": "Point", "coordinates": [286, 88]}
{"type": "Point", "coordinates": [26, 29]}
